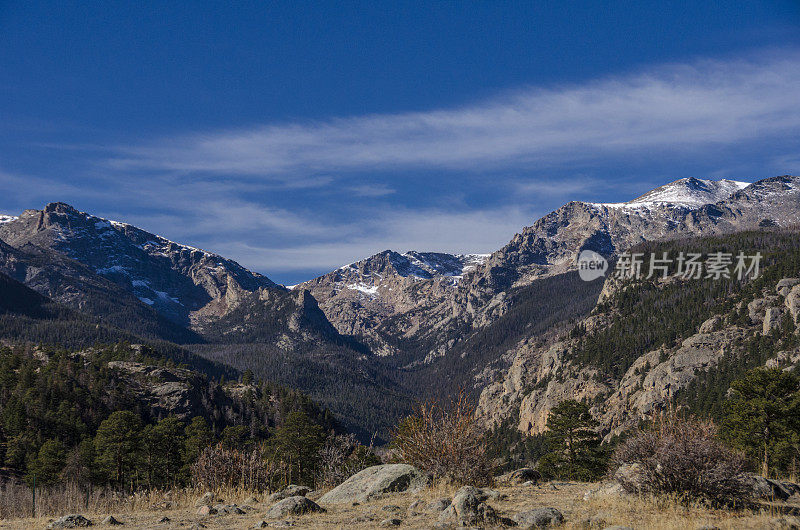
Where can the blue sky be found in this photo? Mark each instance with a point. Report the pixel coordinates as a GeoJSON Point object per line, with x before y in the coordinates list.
{"type": "Point", "coordinates": [296, 137]}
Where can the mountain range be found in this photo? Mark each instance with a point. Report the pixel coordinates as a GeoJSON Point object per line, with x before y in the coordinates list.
{"type": "Point", "coordinates": [369, 337]}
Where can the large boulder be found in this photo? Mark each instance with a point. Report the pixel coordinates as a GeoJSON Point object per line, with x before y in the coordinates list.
{"type": "Point", "coordinates": [292, 506]}
{"type": "Point", "coordinates": [376, 481]}
{"type": "Point", "coordinates": [539, 518]}
{"type": "Point", "coordinates": [759, 487]}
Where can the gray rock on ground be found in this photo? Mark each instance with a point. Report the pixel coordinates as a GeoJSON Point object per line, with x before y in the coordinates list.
{"type": "Point", "coordinates": [208, 498]}
{"type": "Point", "coordinates": [70, 521]}
{"type": "Point", "coordinates": [297, 505]}
{"type": "Point", "coordinates": [769, 489]}
{"type": "Point", "coordinates": [539, 518]}
{"type": "Point", "coordinates": [376, 481]}
{"type": "Point", "coordinates": [438, 505]}
{"type": "Point", "coordinates": [110, 520]}
{"type": "Point", "coordinates": [291, 490]}
{"type": "Point", "coordinates": [521, 476]}
{"type": "Point", "coordinates": [206, 510]}
{"type": "Point", "coordinates": [391, 521]}
{"type": "Point", "coordinates": [470, 509]}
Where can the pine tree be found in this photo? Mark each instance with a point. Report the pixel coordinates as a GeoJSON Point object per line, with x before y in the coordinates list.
{"type": "Point", "coordinates": [575, 444]}
{"type": "Point", "coordinates": [117, 446]}
{"type": "Point", "coordinates": [162, 446]}
{"type": "Point", "coordinates": [48, 463]}
{"type": "Point", "coordinates": [762, 415]}
{"type": "Point", "coordinates": [297, 443]}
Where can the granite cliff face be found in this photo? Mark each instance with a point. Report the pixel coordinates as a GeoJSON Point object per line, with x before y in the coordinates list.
{"type": "Point", "coordinates": [545, 373]}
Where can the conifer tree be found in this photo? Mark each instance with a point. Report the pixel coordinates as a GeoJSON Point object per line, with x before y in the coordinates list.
{"type": "Point", "coordinates": [575, 444]}
{"type": "Point", "coordinates": [762, 415]}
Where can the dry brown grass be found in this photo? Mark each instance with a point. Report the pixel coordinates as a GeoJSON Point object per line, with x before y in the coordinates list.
{"type": "Point", "coordinates": [659, 513]}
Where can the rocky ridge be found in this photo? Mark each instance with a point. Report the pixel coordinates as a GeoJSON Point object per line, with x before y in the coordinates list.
{"type": "Point", "coordinates": [545, 373]}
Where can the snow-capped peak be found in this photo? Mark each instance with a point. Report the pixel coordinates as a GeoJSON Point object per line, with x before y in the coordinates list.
{"type": "Point", "coordinates": [686, 192]}
{"type": "Point", "coordinates": [7, 218]}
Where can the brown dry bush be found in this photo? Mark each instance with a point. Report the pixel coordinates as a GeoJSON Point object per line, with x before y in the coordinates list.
{"type": "Point", "coordinates": [681, 456]}
{"type": "Point", "coordinates": [341, 457]}
{"type": "Point", "coordinates": [218, 467]}
{"type": "Point", "coordinates": [445, 441]}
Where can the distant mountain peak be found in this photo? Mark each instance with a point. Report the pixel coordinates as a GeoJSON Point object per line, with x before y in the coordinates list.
{"type": "Point", "coordinates": [688, 192]}
{"type": "Point", "coordinates": [181, 282]}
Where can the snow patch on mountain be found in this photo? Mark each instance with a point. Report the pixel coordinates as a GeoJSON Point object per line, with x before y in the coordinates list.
{"type": "Point", "coordinates": [7, 218]}
{"type": "Point", "coordinates": [690, 193]}
{"type": "Point", "coordinates": [369, 290]}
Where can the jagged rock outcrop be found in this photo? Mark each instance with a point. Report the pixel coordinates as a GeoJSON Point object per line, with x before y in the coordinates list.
{"type": "Point", "coordinates": [543, 375]}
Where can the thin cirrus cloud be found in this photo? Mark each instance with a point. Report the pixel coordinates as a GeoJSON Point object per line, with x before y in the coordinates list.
{"type": "Point", "coordinates": [669, 108]}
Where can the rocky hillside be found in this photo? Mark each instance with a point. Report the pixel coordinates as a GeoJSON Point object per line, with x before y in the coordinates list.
{"type": "Point", "coordinates": [650, 343]}
{"type": "Point", "coordinates": [182, 283]}
{"type": "Point", "coordinates": [359, 297]}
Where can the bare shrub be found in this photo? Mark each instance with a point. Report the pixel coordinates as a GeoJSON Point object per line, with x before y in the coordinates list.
{"type": "Point", "coordinates": [342, 456]}
{"type": "Point", "coordinates": [683, 457]}
{"type": "Point", "coordinates": [445, 441]}
{"type": "Point", "coordinates": [218, 467]}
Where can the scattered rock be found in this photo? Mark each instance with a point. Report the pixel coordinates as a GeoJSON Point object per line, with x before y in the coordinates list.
{"type": "Point", "coordinates": [521, 476]}
{"type": "Point", "coordinates": [469, 509]}
{"type": "Point", "coordinates": [251, 500]}
{"type": "Point", "coordinates": [111, 521]}
{"type": "Point", "coordinates": [606, 489]}
{"type": "Point", "coordinates": [373, 482]}
{"type": "Point", "coordinates": [70, 521]}
{"type": "Point", "coordinates": [439, 505]}
{"type": "Point", "coordinates": [164, 519]}
{"type": "Point", "coordinates": [297, 505]}
{"type": "Point", "coordinates": [539, 518]}
{"type": "Point", "coordinates": [261, 524]}
{"type": "Point", "coordinates": [392, 521]}
{"type": "Point", "coordinates": [289, 491]}
{"type": "Point", "coordinates": [208, 498]}
{"type": "Point", "coordinates": [206, 510]}
{"type": "Point", "coordinates": [391, 508]}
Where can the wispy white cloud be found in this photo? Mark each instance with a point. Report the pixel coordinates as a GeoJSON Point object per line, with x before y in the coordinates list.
{"type": "Point", "coordinates": [401, 230]}
{"type": "Point", "coordinates": [676, 107]}
{"type": "Point", "coordinates": [371, 190]}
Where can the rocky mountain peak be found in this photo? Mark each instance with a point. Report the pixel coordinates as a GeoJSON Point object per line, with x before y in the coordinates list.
{"type": "Point", "coordinates": [181, 282]}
